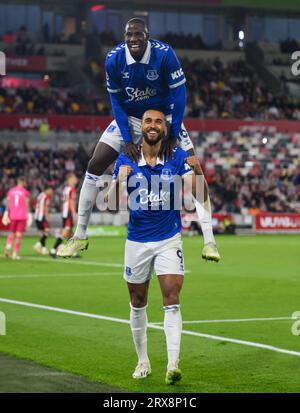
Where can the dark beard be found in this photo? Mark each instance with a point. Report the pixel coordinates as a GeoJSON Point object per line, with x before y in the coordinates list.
{"type": "Point", "coordinates": [151, 142]}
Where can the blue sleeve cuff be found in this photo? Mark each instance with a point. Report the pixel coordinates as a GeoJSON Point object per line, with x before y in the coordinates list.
{"type": "Point", "coordinates": [178, 99]}
{"type": "Point", "coordinates": [121, 118]}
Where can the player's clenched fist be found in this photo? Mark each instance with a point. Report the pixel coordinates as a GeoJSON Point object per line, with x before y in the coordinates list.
{"type": "Point", "coordinates": [193, 162]}
{"type": "Point", "coordinates": [124, 171]}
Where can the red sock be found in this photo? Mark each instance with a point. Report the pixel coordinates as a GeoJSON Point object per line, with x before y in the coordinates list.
{"type": "Point", "coordinates": [9, 241]}
{"type": "Point", "coordinates": [17, 244]}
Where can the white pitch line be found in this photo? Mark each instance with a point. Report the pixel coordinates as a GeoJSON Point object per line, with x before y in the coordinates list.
{"type": "Point", "coordinates": [84, 274]}
{"type": "Point", "coordinates": [78, 262]}
{"type": "Point", "coordinates": [156, 327]}
{"type": "Point", "coordinates": [235, 320]}
{"type": "Point", "coordinates": [74, 261]}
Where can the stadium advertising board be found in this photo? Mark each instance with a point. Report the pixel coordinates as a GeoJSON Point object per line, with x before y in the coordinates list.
{"type": "Point", "coordinates": [26, 63]}
{"type": "Point", "coordinates": [270, 222]}
{"type": "Point", "coordinates": [101, 122]}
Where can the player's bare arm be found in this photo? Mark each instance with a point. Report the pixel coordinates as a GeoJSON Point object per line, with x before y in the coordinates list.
{"type": "Point", "coordinates": [194, 163]}
{"type": "Point", "coordinates": [113, 190]}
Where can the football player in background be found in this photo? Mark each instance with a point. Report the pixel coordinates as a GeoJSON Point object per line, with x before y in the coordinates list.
{"type": "Point", "coordinates": [69, 216]}
{"type": "Point", "coordinates": [42, 219]}
{"type": "Point", "coordinates": [18, 217]}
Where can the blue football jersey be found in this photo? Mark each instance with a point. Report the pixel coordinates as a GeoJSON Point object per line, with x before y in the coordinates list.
{"type": "Point", "coordinates": [145, 84]}
{"type": "Point", "coordinates": [153, 197]}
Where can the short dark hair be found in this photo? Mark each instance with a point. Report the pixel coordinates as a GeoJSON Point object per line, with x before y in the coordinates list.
{"type": "Point", "coordinates": [21, 179]}
{"type": "Point", "coordinates": [156, 110]}
{"type": "Point", "coordinates": [139, 21]}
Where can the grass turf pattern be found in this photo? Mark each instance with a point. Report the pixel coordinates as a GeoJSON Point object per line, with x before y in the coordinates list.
{"type": "Point", "coordinates": [257, 277]}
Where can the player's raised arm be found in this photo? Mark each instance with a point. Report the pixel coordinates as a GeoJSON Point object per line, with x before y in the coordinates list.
{"type": "Point", "coordinates": [176, 82]}
{"type": "Point", "coordinates": [114, 89]}
{"type": "Point", "coordinates": [193, 162]}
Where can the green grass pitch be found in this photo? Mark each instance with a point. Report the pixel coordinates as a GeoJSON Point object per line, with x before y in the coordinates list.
{"type": "Point", "coordinates": [258, 277]}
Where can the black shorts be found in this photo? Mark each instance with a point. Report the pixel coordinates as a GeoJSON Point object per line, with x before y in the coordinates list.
{"type": "Point", "coordinates": [42, 225]}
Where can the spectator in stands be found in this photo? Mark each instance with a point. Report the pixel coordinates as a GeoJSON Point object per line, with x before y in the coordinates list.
{"type": "Point", "coordinates": [24, 42]}
{"type": "Point", "coordinates": [234, 190]}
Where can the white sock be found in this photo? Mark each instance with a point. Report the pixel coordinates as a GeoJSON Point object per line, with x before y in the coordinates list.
{"type": "Point", "coordinates": [87, 199]}
{"type": "Point", "coordinates": [138, 325]}
{"type": "Point", "coordinates": [173, 327]}
{"type": "Point", "coordinates": [204, 215]}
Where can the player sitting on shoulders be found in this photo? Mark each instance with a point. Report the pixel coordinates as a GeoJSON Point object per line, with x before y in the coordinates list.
{"type": "Point", "coordinates": [141, 73]}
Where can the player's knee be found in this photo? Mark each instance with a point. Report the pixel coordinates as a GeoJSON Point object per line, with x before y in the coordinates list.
{"type": "Point", "coordinates": [171, 297]}
{"type": "Point", "coordinates": [138, 300]}
{"type": "Point", "coordinates": [97, 164]}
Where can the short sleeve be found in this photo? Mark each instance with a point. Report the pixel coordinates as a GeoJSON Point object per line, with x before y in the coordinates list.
{"type": "Point", "coordinates": [112, 82]}
{"type": "Point", "coordinates": [184, 168]}
{"type": "Point", "coordinates": [175, 75]}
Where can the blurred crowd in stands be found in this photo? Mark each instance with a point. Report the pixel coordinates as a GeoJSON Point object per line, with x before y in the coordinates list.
{"type": "Point", "coordinates": [40, 167]}
{"type": "Point", "coordinates": [218, 89]}
{"type": "Point", "coordinates": [50, 102]}
{"type": "Point", "coordinates": [215, 90]}
{"type": "Point", "coordinates": [183, 41]}
{"type": "Point", "coordinates": [23, 42]}
{"type": "Point", "coordinates": [244, 175]}
{"type": "Point", "coordinates": [252, 171]}
{"type": "Point", "coordinates": [108, 38]}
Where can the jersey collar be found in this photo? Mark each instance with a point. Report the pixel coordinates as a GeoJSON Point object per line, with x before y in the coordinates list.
{"type": "Point", "coordinates": [142, 161]}
{"type": "Point", "coordinates": [145, 59]}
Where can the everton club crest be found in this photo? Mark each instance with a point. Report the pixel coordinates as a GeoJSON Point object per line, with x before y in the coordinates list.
{"type": "Point", "coordinates": [152, 75]}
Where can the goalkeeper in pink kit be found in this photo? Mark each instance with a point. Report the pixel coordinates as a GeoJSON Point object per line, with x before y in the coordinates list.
{"type": "Point", "coordinates": [17, 217]}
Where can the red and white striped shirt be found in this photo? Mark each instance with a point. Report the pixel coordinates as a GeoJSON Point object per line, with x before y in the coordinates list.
{"type": "Point", "coordinates": [41, 206]}
{"type": "Point", "coordinates": [69, 195]}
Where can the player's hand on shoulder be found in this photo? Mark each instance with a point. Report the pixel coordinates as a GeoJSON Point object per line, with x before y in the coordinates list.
{"type": "Point", "coordinates": [124, 172]}
{"type": "Point", "coordinates": [133, 151]}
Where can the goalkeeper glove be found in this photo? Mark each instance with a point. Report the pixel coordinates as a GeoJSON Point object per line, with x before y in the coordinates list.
{"type": "Point", "coordinates": [5, 219]}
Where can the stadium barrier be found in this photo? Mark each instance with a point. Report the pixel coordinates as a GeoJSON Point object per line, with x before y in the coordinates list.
{"type": "Point", "coordinates": [264, 223]}
{"type": "Point", "coordinates": [96, 123]}
{"type": "Point", "coordinates": [277, 223]}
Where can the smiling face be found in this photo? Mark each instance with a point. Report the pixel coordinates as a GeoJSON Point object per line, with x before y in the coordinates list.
{"type": "Point", "coordinates": [153, 127]}
{"type": "Point", "coordinates": [136, 37]}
